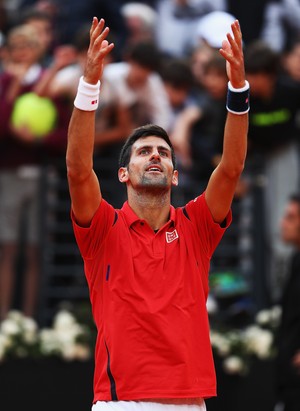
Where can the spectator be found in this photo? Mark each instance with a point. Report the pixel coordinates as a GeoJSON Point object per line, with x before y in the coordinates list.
{"type": "Point", "coordinates": [199, 56]}
{"type": "Point", "coordinates": [176, 24]}
{"type": "Point", "coordinates": [42, 21]}
{"type": "Point", "coordinates": [72, 14]}
{"type": "Point", "coordinates": [66, 68]}
{"type": "Point", "coordinates": [273, 138]}
{"type": "Point", "coordinates": [21, 153]}
{"type": "Point", "coordinates": [281, 23]}
{"type": "Point", "coordinates": [136, 84]}
{"type": "Point", "coordinates": [198, 128]}
{"type": "Point", "coordinates": [113, 118]}
{"type": "Point", "coordinates": [288, 361]}
{"type": "Point", "coordinates": [140, 20]}
{"type": "Point", "coordinates": [179, 83]}
{"type": "Point", "coordinates": [251, 15]}
{"type": "Point", "coordinates": [291, 62]}
{"type": "Point", "coordinates": [275, 22]}
{"type": "Point", "coordinates": [220, 21]}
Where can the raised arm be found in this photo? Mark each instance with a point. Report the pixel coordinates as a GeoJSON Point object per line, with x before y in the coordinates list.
{"type": "Point", "coordinates": [83, 183]}
{"type": "Point", "coordinates": [222, 184]}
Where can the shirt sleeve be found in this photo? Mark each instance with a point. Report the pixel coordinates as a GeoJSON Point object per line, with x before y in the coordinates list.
{"type": "Point", "coordinates": [90, 239]}
{"type": "Point", "coordinates": [209, 231]}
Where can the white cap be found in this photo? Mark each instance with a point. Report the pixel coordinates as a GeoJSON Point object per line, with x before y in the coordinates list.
{"type": "Point", "coordinates": [214, 26]}
{"type": "Point", "coordinates": [146, 13]}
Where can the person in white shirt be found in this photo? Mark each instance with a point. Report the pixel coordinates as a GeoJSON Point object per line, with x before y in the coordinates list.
{"type": "Point", "coordinates": [135, 83]}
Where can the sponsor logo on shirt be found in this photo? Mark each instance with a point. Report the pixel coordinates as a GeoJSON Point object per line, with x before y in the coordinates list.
{"type": "Point", "coordinates": [171, 236]}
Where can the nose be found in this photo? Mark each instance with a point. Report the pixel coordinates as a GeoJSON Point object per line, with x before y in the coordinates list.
{"type": "Point", "coordinates": [155, 155]}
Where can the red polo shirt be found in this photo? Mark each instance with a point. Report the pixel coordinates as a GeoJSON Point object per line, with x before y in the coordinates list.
{"type": "Point", "coordinates": [148, 292]}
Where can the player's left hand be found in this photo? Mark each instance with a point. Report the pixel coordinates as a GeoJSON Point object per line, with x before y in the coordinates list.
{"type": "Point", "coordinates": [232, 51]}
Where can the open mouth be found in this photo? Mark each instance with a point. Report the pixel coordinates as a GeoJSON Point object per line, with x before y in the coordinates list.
{"type": "Point", "coordinates": [154, 169]}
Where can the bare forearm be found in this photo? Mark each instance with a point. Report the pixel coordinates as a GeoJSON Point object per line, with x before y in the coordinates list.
{"type": "Point", "coordinates": [80, 143]}
{"type": "Point", "coordinates": [235, 143]}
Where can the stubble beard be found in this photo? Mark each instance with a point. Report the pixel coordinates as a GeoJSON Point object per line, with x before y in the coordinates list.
{"type": "Point", "coordinates": [154, 184]}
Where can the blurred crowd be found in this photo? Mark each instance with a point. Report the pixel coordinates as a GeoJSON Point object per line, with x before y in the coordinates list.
{"type": "Point", "coordinates": [165, 69]}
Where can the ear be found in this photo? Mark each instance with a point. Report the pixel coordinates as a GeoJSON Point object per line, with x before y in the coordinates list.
{"type": "Point", "coordinates": [123, 174]}
{"type": "Point", "coordinates": [175, 178]}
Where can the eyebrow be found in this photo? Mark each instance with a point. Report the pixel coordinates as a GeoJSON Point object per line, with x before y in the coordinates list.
{"type": "Point", "coordinates": [151, 146]}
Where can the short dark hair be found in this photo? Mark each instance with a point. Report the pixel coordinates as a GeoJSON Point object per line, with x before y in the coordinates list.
{"type": "Point", "coordinates": [178, 73]}
{"type": "Point", "coordinates": [32, 13]}
{"type": "Point", "coordinates": [140, 132]}
{"type": "Point", "coordinates": [144, 53]}
{"type": "Point", "coordinates": [261, 58]}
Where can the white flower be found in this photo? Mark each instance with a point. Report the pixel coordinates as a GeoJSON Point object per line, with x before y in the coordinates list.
{"type": "Point", "coordinates": [276, 313]}
{"type": "Point", "coordinates": [4, 344]}
{"type": "Point", "coordinates": [15, 316]}
{"type": "Point", "coordinates": [29, 330]}
{"type": "Point", "coordinates": [269, 318]}
{"type": "Point", "coordinates": [263, 317]}
{"type": "Point", "coordinates": [75, 352]}
{"type": "Point", "coordinates": [233, 365]}
{"type": "Point", "coordinates": [258, 341]}
{"type": "Point", "coordinates": [220, 343]}
{"type": "Point", "coordinates": [50, 343]}
{"type": "Point", "coordinates": [63, 320]}
{"type": "Point", "coordinates": [20, 336]}
{"type": "Point", "coordinates": [10, 327]}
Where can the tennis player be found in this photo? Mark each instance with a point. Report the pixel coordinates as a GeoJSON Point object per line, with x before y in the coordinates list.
{"type": "Point", "coordinates": [147, 263]}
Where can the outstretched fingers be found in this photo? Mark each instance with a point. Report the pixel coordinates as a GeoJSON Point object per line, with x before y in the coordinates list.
{"type": "Point", "coordinates": [105, 48]}
{"type": "Point", "coordinates": [96, 28]}
{"type": "Point", "coordinates": [98, 32]}
{"type": "Point", "coordinates": [225, 51]}
{"type": "Point", "coordinates": [236, 30]}
{"type": "Point", "coordinates": [232, 51]}
{"type": "Point", "coordinates": [98, 49]}
{"type": "Point", "coordinates": [233, 44]}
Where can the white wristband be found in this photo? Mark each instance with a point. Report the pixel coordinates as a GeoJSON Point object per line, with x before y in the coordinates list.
{"type": "Point", "coordinates": [238, 90]}
{"type": "Point", "coordinates": [87, 97]}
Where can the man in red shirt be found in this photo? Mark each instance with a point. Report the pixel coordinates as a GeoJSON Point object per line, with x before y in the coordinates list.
{"type": "Point", "coordinates": [147, 264]}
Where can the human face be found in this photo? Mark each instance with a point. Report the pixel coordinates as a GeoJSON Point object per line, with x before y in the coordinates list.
{"type": "Point", "coordinates": [138, 75]}
{"type": "Point", "coordinates": [215, 82]}
{"type": "Point", "coordinates": [150, 165]}
{"type": "Point", "coordinates": [177, 96]}
{"type": "Point", "coordinates": [292, 63]}
{"type": "Point", "coordinates": [262, 84]}
{"type": "Point", "coordinates": [44, 30]}
{"type": "Point", "coordinates": [290, 224]}
{"type": "Point", "coordinates": [23, 51]}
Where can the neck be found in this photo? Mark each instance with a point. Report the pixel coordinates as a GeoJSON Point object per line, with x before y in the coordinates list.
{"type": "Point", "coordinates": [151, 207]}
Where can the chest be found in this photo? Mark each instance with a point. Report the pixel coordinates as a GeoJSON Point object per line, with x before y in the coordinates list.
{"type": "Point", "coordinates": [154, 269]}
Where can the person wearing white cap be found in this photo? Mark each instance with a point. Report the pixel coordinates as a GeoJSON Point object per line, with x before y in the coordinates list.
{"type": "Point", "coordinates": [213, 27]}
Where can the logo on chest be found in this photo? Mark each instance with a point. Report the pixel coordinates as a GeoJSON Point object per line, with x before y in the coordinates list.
{"type": "Point", "coordinates": [171, 236]}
